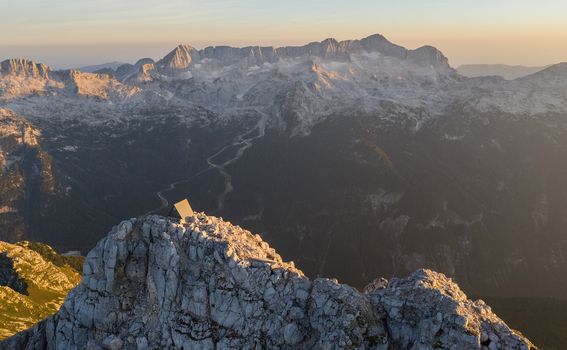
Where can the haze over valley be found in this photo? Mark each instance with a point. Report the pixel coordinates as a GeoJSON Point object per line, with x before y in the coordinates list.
{"type": "Point", "coordinates": [347, 193]}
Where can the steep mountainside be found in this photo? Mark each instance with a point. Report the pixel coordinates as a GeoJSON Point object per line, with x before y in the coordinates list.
{"type": "Point", "coordinates": [153, 284]}
{"type": "Point", "coordinates": [26, 181]}
{"type": "Point", "coordinates": [20, 78]}
{"type": "Point", "coordinates": [98, 67]}
{"type": "Point", "coordinates": [34, 281]}
{"type": "Point", "coordinates": [379, 155]}
{"type": "Point", "coordinates": [505, 71]}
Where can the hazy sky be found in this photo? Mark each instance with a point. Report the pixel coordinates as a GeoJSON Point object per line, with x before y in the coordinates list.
{"type": "Point", "coordinates": [65, 33]}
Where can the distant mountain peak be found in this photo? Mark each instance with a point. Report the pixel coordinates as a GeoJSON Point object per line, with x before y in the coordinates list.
{"type": "Point", "coordinates": [330, 41]}
{"type": "Point", "coordinates": [552, 75]}
{"type": "Point", "coordinates": [108, 66]}
{"type": "Point", "coordinates": [430, 55]}
{"type": "Point", "coordinates": [178, 59]}
{"type": "Point", "coordinates": [509, 72]}
{"type": "Point", "coordinates": [559, 67]}
{"type": "Point", "coordinates": [143, 61]}
{"type": "Point", "coordinates": [24, 67]}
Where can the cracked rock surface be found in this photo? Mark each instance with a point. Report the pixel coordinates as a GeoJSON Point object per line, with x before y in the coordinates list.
{"type": "Point", "coordinates": [153, 283]}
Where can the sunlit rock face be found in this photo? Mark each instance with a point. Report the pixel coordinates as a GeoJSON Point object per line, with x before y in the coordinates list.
{"type": "Point", "coordinates": [21, 78]}
{"type": "Point", "coordinates": [34, 281]}
{"type": "Point", "coordinates": [154, 283]}
{"type": "Point", "coordinates": [23, 67]}
{"type": "Point", "coordinates": [178, 59]}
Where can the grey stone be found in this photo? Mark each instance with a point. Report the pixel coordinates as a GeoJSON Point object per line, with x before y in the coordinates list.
{"type": "Point", "coordinates": [112, 342]}
{"type": "Point", "coordinates": [292, 334]}
{"type": "Point", "coordinates": [222, 287]}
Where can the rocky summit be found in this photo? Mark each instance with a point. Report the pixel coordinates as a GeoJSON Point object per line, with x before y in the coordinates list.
{"type": "Point", "coordinates": [154, 283]}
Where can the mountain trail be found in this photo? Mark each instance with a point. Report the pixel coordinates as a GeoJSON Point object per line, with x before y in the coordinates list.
{"type": "Point", "coordinates": [242, 142]}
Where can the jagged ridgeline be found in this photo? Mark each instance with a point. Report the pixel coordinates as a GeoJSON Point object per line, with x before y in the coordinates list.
{"type": "Point", "coordinates": [153, 283]}
{"type": "Point", "coordinates": [346, 139]}
{"type": "Point", "coordinates": [34, 281]}
{"type": "Point", "coordinates": [357, 151]}
{"type": "Point", "coordinates": [386, 154]}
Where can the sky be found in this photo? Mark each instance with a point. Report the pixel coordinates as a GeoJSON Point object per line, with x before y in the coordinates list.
{"type": "Point", "coordinates": [73, 33]}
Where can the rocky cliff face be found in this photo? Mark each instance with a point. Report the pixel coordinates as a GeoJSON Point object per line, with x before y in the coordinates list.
{"type": "Point", "coordinates": [25, 171]}
{"type": "Point", "coordinates": [183, 56]}
{"type": "Point", "coordinates": [178, 59]}
{"type": "Point", "coordinates": [20, 78]}
{"type": "Point", "coordinates": [153, 284]}
{"type": "Point", "coordinates": [24, 67]}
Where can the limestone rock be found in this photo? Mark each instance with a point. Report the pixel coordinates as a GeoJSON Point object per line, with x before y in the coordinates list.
{"type": "Point", "coordinates": [153, 283]}
{"type": "Point", "coordinates": [24, 67]}
{"type": "Point", "coordinates": [183, 56]}
{"type": "Point", "coordinates": [112, 342]}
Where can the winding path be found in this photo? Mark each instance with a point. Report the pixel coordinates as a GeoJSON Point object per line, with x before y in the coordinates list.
{"type": "Point", "coordinates": [242, 142]}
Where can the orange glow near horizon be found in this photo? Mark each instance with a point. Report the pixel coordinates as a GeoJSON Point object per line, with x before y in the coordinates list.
{"type": "Point", "coordinates": [526, 32]}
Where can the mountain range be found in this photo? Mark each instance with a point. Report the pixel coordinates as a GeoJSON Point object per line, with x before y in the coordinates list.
{"type": "Point", "coordinates": [357, 151]}
{"type": "Point", "coordinates": [100, 67]}
{"type": "Point", "coordinates": [503, 70]}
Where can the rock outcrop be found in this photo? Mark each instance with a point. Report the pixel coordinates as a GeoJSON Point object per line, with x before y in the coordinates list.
{"type": "Point", "coordinates": [101, 86]}
{"type": "Point", "coordinates": [9, 276]}
{"type": "Point", "coordinates": [153, 283]}
{"type": "Point", "coordinates": [24, 67]}
{"type": "Point", "coordinates": [178, 59]}
{"type": "Point", "coordinates": [34, 281]}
